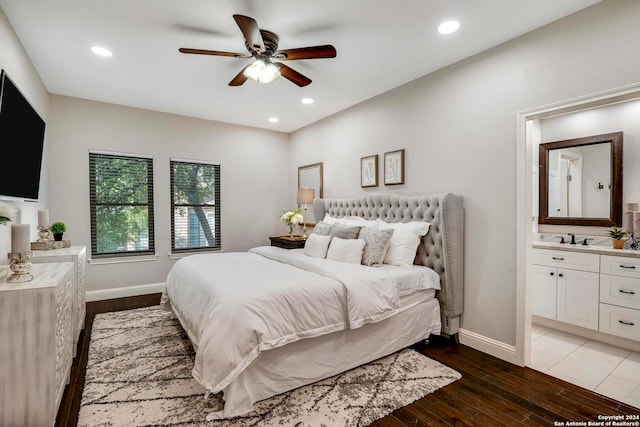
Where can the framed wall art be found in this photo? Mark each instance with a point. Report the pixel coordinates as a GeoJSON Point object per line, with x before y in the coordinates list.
{"type": "Point", "coordinates": [394, 167]}
{"type": "Point", "coordinates": [369, 171]}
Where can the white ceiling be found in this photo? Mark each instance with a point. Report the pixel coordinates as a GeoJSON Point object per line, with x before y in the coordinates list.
{"type": "Point", "coordinates": [381, 44]}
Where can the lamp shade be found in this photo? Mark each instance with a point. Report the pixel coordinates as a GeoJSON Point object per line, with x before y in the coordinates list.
{"type": "Point", "coordinates": [306, 196]}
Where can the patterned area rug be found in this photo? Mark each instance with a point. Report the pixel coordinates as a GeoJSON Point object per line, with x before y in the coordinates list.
{"type": "Point", "coordinates": [139, 374]}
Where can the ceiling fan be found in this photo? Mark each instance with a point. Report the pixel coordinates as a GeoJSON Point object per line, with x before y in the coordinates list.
{"type": "Point", "coordinates": [262, 45]}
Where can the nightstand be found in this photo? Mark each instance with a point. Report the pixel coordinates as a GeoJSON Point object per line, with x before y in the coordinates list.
{"type": "Point", "coordinates": [287, 242]}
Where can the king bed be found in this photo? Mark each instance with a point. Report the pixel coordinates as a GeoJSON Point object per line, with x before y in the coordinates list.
{"type": "Point", "coordinates": [270, 320]}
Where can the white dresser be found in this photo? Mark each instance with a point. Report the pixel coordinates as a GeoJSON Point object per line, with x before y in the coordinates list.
{"type": "Point", "coordinates": [590, 287]}
{"type": "Point", "coordinates": [35, 345]}
{"type": "Point", "coordinates": [78, 256]}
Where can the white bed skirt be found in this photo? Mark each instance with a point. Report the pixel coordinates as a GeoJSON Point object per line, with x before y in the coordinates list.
{"type": "Point", "coordinates": [309, 360]}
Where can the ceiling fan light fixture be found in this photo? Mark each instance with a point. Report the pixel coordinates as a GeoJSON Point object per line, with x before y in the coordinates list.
{"type": "Point", "coordinates": [262, 71]}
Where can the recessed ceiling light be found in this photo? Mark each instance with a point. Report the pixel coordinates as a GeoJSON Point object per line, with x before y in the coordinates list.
{"type": "Point", "coordinates": [273, 119]}
{"type": "Point", "coordinates": [307, 101]}
{"type": "Point", "coordinates": [448, 27]}
{"type": "Point", "coordinates": [101, 51]}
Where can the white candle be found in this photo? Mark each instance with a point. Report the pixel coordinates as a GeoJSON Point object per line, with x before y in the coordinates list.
{"type": "Point", "coordinates": [636, 223]}
{"type": "Point", "coordinates": [628, 222]}
{"type": "Point", "coordinates": [20, 235]}
{"type": "Point", "coordinates": [43, 219]}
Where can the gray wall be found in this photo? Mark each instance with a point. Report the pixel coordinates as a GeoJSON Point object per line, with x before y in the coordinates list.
{"type": "Point", "coordinates": [18, 66]}
{"type": "Point", "coordinates": [458, 127]}
{"type": "Point", "coordinates": [254, 186]}
{"type": "Point", "coordinates": [622, 117]}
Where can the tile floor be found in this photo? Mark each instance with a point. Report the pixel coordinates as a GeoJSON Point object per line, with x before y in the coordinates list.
{"type": "Point", "coordinates": [599, 367]}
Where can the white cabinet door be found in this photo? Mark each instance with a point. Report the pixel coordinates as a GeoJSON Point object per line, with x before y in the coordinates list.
{"type": "Point", "coordinates": [578, 298]}
{"type": "Point", "coordinates": [544, 291]}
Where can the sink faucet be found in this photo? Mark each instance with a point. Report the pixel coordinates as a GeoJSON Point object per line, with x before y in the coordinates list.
{"type": "Point", "coordinates": [573, 238]}
{"type": "Point", "coordinates": [584, 242]}
{"type": "Point", "coordinates": [561, 239]}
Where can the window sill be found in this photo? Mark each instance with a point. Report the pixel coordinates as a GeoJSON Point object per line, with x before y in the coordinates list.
{"type": "Point", "coordinates": [123, 259]}
{"type": "Point", "coordinates": [186, 254]}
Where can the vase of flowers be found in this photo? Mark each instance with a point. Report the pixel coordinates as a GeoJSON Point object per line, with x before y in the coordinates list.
{"type": "Point", "coordinates": [291, 218]}
{"type": "Point", "coordinates": [7, 213]}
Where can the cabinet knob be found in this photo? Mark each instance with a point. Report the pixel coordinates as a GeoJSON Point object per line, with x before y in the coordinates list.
{"type": "Point", "coordinates": [560, 275]}
{"type": "Point", "coordinates": [627, 266]}
{"type": "Point", "coordinates": [624, 291]}
{"type": "Point", "coordinates": [557, 258]}
{"type": "Point", "coordinates": [551, 273]}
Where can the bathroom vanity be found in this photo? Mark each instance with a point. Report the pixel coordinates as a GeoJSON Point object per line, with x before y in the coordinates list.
{"type": "Point", "coordinates": [595, 288]}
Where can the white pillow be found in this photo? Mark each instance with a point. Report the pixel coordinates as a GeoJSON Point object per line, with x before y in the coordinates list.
{"type": "Point", "coordinates": [405, 240]}
{"type": "Point", "coordinates": [316, 245]}
{"type": "Point", "coordinates": [346, 250]}
{"type": "Point", "coordinates": [356, 220]}
{"type": "Point", "coordinates": [330, 220]}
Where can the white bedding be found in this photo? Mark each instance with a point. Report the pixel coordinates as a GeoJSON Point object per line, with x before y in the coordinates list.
{"type": "Point", "coordinates": [235, 305]}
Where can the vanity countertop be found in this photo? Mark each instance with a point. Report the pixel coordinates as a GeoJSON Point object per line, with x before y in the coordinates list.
{"type": "Point", "coordinates": [594, 249]}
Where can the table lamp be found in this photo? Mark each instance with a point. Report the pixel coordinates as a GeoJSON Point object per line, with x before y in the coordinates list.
{"type": "Point", "coordinates": [305, 196]}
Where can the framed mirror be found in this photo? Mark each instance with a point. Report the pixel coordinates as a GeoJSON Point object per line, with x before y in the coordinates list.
{"type": "Point", "coordinates": [581, 181]}
{"type": "Point", "coordinates": [310, 176]}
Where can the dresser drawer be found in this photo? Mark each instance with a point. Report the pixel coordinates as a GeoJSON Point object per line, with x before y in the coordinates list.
{"type": "Point", "coordinates": [618, 290]}
{"type": "Point", "coordinates": [620, 266]}
{"type": "Point", "coordinates": [620, 321]}
{"type": "Point", "coordinates": [566, 259]}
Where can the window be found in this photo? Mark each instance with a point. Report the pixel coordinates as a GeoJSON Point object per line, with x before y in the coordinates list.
{"type": "Point", "coordinates": [121, 203]}
{"type": "Point", "coordinates": [195, 206]}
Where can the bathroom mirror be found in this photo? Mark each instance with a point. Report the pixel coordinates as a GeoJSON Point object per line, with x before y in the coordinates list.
{"type": "Point", "coordinates": [581, 181]}
{"type": "Point", "coordinates": [310, 176]}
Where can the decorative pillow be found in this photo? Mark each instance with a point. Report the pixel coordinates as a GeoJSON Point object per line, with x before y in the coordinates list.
{"type": "Point", "coordinates": [344, 231]}
{"type": "Point", "coordinates": [316, 245]}
{"type": "Point", "coordinates": [378, 242]}
{"type": "Point", "coordinates": [405, 240]}
{"type": "Point", "coordinates": [346, 250]}
{"type": "Point", "coordinates": [322, 228]}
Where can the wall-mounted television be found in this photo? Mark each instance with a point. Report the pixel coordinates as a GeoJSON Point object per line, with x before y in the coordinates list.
{"type": "Point", "coordinates": [21, 143]}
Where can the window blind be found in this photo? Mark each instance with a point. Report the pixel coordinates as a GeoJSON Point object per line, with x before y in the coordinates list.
{"type": "Point", "coordinates": [121, 204]}
{"type": "Point", "coordinates": [195, 206]}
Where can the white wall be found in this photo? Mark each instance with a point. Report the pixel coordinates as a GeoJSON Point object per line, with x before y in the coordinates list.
{"type": "Point", "coordinates": [18, 66]}
{"type": "Point", "coordinates": [458, 127]}
{"type": "Point", "coordinates": [254, 185]}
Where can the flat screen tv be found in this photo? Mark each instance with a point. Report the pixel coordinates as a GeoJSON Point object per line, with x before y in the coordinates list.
{"type": "Point", "coordinates": [21, 143]}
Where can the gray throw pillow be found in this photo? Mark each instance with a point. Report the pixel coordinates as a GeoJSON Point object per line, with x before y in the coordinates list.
{"type": "Point", "coordinates": [345, 231]}
{"type": "Point", "coordinates": [378, 242]}
{"type": "Point", "coordinates": [322, 228]}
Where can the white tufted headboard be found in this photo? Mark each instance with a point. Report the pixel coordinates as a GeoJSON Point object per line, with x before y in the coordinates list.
{"type": "Point", "coordinates": [442, 249]}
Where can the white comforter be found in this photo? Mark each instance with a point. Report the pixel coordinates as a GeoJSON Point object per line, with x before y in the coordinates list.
{"type": "Point", "coordinates": [235, 305]}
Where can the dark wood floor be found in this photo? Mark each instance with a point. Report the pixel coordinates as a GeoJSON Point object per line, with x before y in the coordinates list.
{"type": "Point", "coordinates": [491, 392]}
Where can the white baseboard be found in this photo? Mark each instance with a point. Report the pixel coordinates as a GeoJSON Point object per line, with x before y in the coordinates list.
{"type": "Point", "coordinates": [127, 291]}
{"type": "Point", "coordinates": [488, 345]}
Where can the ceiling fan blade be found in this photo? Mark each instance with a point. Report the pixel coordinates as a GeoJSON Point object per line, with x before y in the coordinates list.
{"type": "Point", "coordinates": [213, 52]}
{"type": "Point", "coordinates": [311, 52]}
{"type": "Point", "coordinates": [251, 32]}
{"type": "Point", "coordinates": [292, 75]}
{"type": "Point", "coordinates": [240, 78]}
